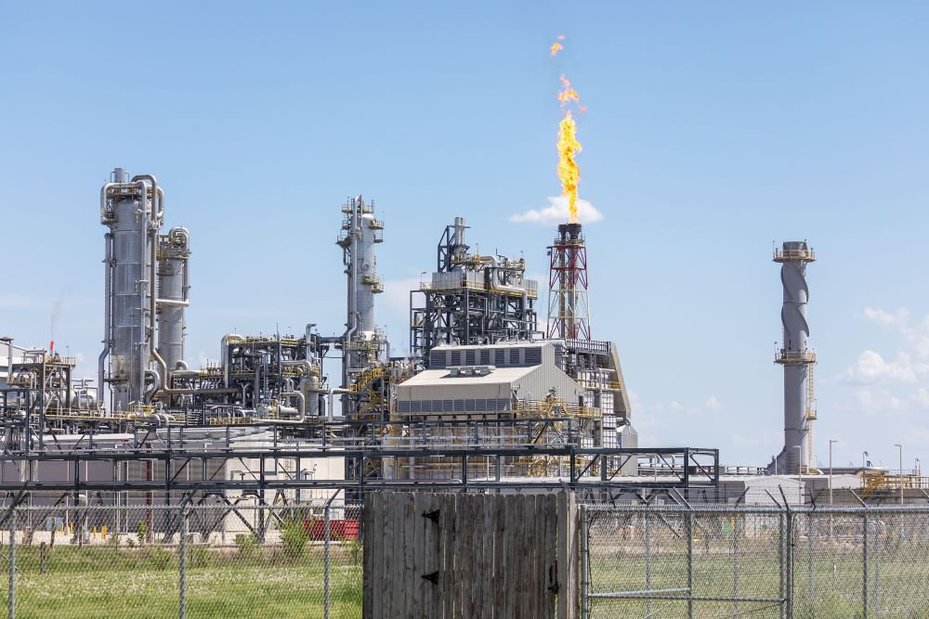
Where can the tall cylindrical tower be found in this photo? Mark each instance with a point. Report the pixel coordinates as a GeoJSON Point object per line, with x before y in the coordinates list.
{"type": "Point", "coordinates": [795, 356]}
{"type": "Point", "coordinates": [173, 286]}
{"type": "Point", "coordinates": [361, 231]}
{"type": "Point", "coordinates": [568, 314]}
{"type": "Point", "coordinates": [133, 212]}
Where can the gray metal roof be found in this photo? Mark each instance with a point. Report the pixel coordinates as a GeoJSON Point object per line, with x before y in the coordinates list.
{"type": "Point", "coordinates": [443, 377]}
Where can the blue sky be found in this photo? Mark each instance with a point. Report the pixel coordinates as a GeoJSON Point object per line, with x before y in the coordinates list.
{"type": "Point", "coordinates": [712, 130]}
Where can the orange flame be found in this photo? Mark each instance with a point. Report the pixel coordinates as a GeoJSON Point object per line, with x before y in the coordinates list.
{"type": "Point", "coordinates": [567, 93]}
{"type": "Point", "coordinates": [568, 170]}
{"type": "Point", "coordinates": [556, 46]}
{"type": "Point", "coordinates": [568, 147]}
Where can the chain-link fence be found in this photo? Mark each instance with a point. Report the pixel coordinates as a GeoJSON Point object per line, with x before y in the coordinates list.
{"type": "Point", "coordinates": [648, 561]}
{"type": "Point", "coordinates": [155, 561]}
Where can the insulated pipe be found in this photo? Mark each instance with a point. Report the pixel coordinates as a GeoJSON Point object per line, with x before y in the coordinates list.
{"type": "Point", "coordinates": [300, 397]}
{"type": "Point", "coordinates": [156, 213]}
{"type": "Point", "coordinates": [144, 213]}
{"type": "Point", "coordinates": [107, 310]}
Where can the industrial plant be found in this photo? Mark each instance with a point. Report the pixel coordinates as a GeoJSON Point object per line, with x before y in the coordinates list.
{"type": "Point", "coordinates": [490, 396]}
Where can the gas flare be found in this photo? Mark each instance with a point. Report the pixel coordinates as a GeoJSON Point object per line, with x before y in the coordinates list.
{"type": "Point", "coordinates": [556, 46]}
{"type": "Point", "coordinates": [568, 146]}
{"type": "Point", "coordinates": [568, 171]}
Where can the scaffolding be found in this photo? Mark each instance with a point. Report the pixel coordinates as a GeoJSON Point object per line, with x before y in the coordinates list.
{"type": "Point", "coordinates": [471, 299]}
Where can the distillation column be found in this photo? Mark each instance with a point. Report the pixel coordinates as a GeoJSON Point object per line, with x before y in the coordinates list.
{"type": "Point", "coordinates": [568, 314]}
{"type": "Point", "coordinates": [133, 211]}
{"type": "Point", "coordinates": [795, 356]}
{"type": "Point", "coordinates": [173, 286]}
{"type": "Point", "coordinates": [362, 341]}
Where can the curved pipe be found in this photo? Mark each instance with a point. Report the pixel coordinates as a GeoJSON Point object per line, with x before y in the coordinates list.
{"type": "Point", "coordinates": [104, 212]}
{"type": "Point", "coordinates": [160, 384]}
{"type": "Point", "coordinates": [300, 398]}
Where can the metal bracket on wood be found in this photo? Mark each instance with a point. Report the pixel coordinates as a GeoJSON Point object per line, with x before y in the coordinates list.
{"type": "Point", "coordinates": [433, 516]}
{"type": "Point", "coordinates": [432, 577]}
{"type": "Point", "coordinates": [552, 579]}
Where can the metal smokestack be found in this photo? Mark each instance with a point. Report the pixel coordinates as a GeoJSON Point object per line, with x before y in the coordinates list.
{"type": "Point", "coordinates": [796, 358]}
{"type": "Point", "coordinates": [568, 314]}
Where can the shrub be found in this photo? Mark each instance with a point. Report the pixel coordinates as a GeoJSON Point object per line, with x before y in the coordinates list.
{"type": "Point", "coordinates": [294, 536]}
{"type": "Point", "coordinates": [247, 543]}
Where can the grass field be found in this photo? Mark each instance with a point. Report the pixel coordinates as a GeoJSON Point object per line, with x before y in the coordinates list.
{"type": "Point", "coordinates": [112, 582]}
{"type": "Point", "coordinates": [827, 582]}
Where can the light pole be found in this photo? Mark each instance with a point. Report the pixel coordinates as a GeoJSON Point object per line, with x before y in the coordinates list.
{"type": "Point", "coordinates": [900, 477]}
{"type": "Point", "coordinates": [864, 455]}
{"type": "Point", "coordinates": [831, 441]}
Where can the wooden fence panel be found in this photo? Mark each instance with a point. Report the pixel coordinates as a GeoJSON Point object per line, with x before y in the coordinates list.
{"type": "Point", "coordinates": [470, 555]}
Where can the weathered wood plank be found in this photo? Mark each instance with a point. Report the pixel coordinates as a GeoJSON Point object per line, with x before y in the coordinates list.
{"type": "Point", "coordinates": [509, 526]}
{"type": "Point", "coordinates": [435, 550]}
{"type": "Point", "coordinates": [519, 535]}
{"type": "Point", "coordinates": [410, 577]}
{"type": "Point", "coordinates": [476, 543]}
{"type": "Point", "coordinates": [567, 556]}
{"type": "Point", "coordinates": [488, 591]}
{"type": "Point", "coordinates": [500, 558]}
{"type": "Point", "coordinates": [419, 553]}
{"type": "Point", "coordinates": [447, 577]}
{"type": "Point", "coordinates": [548, 554]}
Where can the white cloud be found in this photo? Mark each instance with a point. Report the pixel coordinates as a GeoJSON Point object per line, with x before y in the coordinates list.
{"type": "Point", "coordinates": [878, 401]}
{"type": "Point", "coordinates": [871, 368]}
{"type": "Point", "coordinates": [897, 319]}
{"type": "Point", "coordinates": [557, 212]}
{"type": "Point", "coordinates": [917, 338]}
{"type": "Point", "coordinates": [712, 403]}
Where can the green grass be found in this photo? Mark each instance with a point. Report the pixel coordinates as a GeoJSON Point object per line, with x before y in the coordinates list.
{"type": "Point", "coordinates": [144, 582]}
{"type": "Point", "coordinates": [829, 585]}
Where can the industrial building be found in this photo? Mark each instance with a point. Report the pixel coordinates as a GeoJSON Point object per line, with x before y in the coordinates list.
{"type": "Point", "coordinates": [491, 392]}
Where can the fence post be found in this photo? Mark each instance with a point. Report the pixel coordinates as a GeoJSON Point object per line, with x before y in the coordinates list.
{"type": "Point", "coordinates": [182, 561]}
{"type": "Point", "coordinates": [690, 563]}
{"type": "Point", "coordinates": [789, 556]}
{"type": "Point", "coordinates": [864, 578]}
{"type": "Point", "coordinates": [327, 599]}
{"type": "Point", "coordinates": [782, 562]}
{"type": "Point", "coordinates": [12, 564]}
{"type": "Point", "coordinates": [648, 562]}
{"type": "Point", "coordinates": [810, 586]}
{"type": "Point", "coordinates": [585, 564]}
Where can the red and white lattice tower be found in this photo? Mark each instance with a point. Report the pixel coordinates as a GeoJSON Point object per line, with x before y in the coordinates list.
{"type": "Point", "coordinates": [568, 313]}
